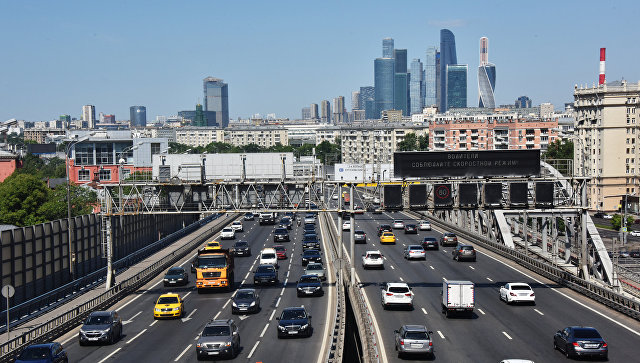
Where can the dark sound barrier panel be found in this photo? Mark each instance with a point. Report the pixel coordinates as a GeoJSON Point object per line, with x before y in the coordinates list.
{"type": "Point", "coordinates": [392, 197]}
{"type": "Point", "coordinates": [418, 196]}
{"type": "Point", "coordinates": [492, 195]}
{"type": "Point", "coordinates": [544, 194]}
{"type": "Point", "coordinates": [518, 194]}
{"type": "Point", "coordinates": [468, 195]}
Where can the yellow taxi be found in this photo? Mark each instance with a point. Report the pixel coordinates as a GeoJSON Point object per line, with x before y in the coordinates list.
{"type": "Point", "coordinates": [387, 237]}
{"type": "Point", "coordinates": [213, 245]}
{"type": "Point", "coordinates": [168, 306]}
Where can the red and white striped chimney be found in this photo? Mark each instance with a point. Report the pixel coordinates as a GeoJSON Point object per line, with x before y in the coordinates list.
{"type": "Point", "coordinates": [602, 57]}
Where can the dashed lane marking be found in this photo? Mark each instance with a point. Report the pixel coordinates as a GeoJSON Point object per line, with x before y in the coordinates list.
{"type": "Point", "coordinates": [110, 355]}
{"type": "Point", "coordinates": [538, 311]}
{"type": "Point", "coordinates": [218, 314]}
{"type": "Point", "coordinates": [488, 278]}
{"type": "Point", "coordinates": [431, 267]}
{"type": "Point", "coordinates": [424, 311]}
{"type": "Point", "coordinates": [264, 330]}
{"type": "Point", "coordinates": [481, 312]}
{"type": "Point", "coordinates": [440, 334]}
{"type": "Point", "coordinates": [272, 314]}
{"type": "Point", "coordinates": [393, 268]}
{"type": "Point", "coordinates": [181, 354]}
{"type": "Point", "coordinates": [225, 304]}
{"type": "Point", "coordinates": [153, 323]}
{"type": "Point", "coordinates": [471, 267]}
{"type": "Point", "coordinates": [139, 334]}
{"type": "Point", "coordinates": [507, 335]}
{"type": "Point", "coordinates": [253, 349]}
{"type": "Point", "coordinates": [278, 302]}
{"type": "Point", "coordinates": [401, 279]}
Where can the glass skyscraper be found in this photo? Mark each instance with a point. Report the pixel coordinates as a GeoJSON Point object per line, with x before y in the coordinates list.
{"type": "Point", "coordinates": [456, 85]}
{"type": "Point", "coordinates": [387, 48]}
{"type": "Point", "coordinates": [416, 89]}
{"type": "Point", "coordinates": [430, 77]}
{"type": "Point", "coordinates": [138, 116]}
{"type": "Point", "coordinates": [216, 98]}
{"type": "Point", "coordinates": [367, 102]}
{"type": "Point", "coordinates": [384, 80]}
{"type": "Point", "coordinates": [401, 93]}
{"type": "Point", "coordinates": [447, 57]}
{"type": "Point", "coordinates": [486, 77]}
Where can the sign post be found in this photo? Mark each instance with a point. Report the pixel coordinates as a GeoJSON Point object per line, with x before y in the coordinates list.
{"type": "Point", "coordinates": [8, 291]}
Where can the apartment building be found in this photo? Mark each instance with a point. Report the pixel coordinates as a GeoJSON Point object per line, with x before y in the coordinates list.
{"type": "Point", "coordinates": [198, 136]}
{"type": "Point", "coordinates": [42, 136]}
{"type": "Point", "coordinates": [264, 136]}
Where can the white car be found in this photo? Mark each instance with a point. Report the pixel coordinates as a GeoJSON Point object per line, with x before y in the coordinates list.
{"type": "Point", "coordinates": [515, 292]}
{"type": "Point", "coordinates": [607, 216]}
{"type": "Point", "coordinates": [396, 294]}
{"type": "Point", "coordinates": [414, 252]}
{"type": "Point", "coordinates": [237, 226]}
{"type": "Point", "coordinates": [228, 233]}
{"type": "Point", "coordinates": [346, 226]}
{"type": "Point", "coordinates": [372, 259]}
{"type": "Point", "coordinates": [268, 256]}
{"type": "Point", "coordinates": [424, 226]}
{"type": "Point", "coordinates": [397, 224]}
{"type": "Point", "coordinates": [334, 197]}
{"type": "Point", "coordinates": [635, 233]}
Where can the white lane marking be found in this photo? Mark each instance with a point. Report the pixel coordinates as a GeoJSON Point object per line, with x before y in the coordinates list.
{"type": "Point", "coordinates": [187, 294]}
{"type": "Point", "coordinates": [481, 312]}
{"type": "Point", "coordinates": [401, 279]}
{"type": "Point", "coordinates": [225, 304]}
{"type": "Point", "coordinates": [432, 267]}
{"type": "Point", "coordinates": [488, 278]}
{"type": "Point", "coordinates": [246, 276]}
{"type": "Point", "coordinates": [278, 302]}
{"type": "Point", "coordinates": [253, 349]}
{"type": "Point", "coordinates": [153, 323]}
{"type": "Point", "coordinates": [69, 339]}
{"type": "Point", "coordinates": [196, 338]}
{"type": "Point", "coordinates": [424, 311]}
{"type": "Point", "coordinates": [218, 314]}
{"type": "Point", "coordinates": [565, 295]}
{"type": "Point", "coordinates": [285, 281]}
{"type": "Point", "coordinates": [137, 297]}
{"type": "Point", "coordinates": [243, 281]}
{"type": "Point", "coordinates": [272, 314]}
{"type": "Point", "coordinates": [139, 334]}
{"type": "Point", "coordinates": [393, 268]}
{"type": "Point", "coordinates": [192, 312]}
{"type": "Point", "coordinates": [471, 267]}
{"type": "Point", "coordinates": [440, 333]}
{"type": "Point", "coordinates": [507, 335]}
{"type": "Point", "coordinates": [538, 311]}
{"type": "Point", "coordinates": [264, 330]}
{"type": "Point", "coordinates": [109, 356]}
{"type": "Point", "coordinates": [181, 354]}
{"type": "Point", "coordinates": [282, 292]}
{"type": "Point", "coordinates": [288, 273]}
{"type": "Point", "coordinates": [444, 251]}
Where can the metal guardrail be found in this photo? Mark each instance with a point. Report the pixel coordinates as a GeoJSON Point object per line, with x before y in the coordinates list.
{"type": "Point", "coordinates": [608, 297]}
{"type": "Point", "coordinates": [361, 311]}
{"type": "Point", "coordinates": [67, 321]}
{"type": "Point", "coordinates": [33, 308]}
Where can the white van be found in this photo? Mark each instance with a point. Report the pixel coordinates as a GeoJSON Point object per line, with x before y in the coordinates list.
{"type": "Point", "coordinates": [268, 256]}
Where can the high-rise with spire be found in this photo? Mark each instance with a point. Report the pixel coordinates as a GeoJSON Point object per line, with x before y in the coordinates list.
{"type": "Point", "coordinates": [486, 77]}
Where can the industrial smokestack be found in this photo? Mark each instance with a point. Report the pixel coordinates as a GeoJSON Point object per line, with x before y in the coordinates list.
{"type": "Point", "coordinates": [602, 58]}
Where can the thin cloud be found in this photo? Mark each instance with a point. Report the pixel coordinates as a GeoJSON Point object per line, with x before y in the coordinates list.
{"type": "Point", "coordinates": [454, 23]}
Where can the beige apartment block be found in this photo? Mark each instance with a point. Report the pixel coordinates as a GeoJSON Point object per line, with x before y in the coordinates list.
{"type": "Point", "coordinates": [198, 136]}
{"type": "Point", "coordinates": [607, 137]}
{"type": "Point", "coordinates": [374, 144]}
{"type": "Point", "coordinates": [265, 136]}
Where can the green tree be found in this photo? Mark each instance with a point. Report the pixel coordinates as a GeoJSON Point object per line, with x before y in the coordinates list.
{"type": "Point", "coordinates": [21, 196]}
{"type": "Point", "coordinates": [82, 202]}
{"type": "Point", "coordinates": [559, 149]}
{"type": "Point", "coordinates": [409, 143]}
{"type": "Point", "coordinates": [423, 142]}
{"type": "Point", "coordinates": [616, 221]}
{"type": "Point", "coordinates": [42, 168]}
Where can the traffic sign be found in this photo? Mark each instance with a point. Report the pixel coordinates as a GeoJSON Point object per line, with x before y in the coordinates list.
{"type": "Point", "coordinates": [624, 229]}
{"type": "Point", "coordinates": [8, 291]}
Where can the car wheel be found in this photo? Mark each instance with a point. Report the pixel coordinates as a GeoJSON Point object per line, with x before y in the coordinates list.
{"type": "Point", "coordinates": [555, 346]}
{"type": "Point", "coordinates": [81, 343]}
{"type": "Point", "coordinates": [566, 352]}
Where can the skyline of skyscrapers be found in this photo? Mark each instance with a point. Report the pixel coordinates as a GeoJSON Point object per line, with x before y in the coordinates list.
{"type": "Point", "coordinates": [216, 99]}
{"type": "Point", "coordinates": [447, 57]}
{"type": "Point", "coordinates": [486, 77]}
{"type": "Point", "coordinates": [339, 110]}
{"type": "Point", "coordinates": [401, 82]}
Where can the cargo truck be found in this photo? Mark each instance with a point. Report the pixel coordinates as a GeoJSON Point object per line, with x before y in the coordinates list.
{"type": "Point", "coordinates": [267, 218]}
{"type": "Point", "coordinates": [214, 270]}
{"type": "Point", "coordinates": [458, 297]}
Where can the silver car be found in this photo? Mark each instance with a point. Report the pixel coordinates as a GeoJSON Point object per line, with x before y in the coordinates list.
{"type": "Point", "coordinates": [413, 339]}
{"type": "Point", "coordinates": [414, 252]}
{"type": "Point", "coordinates": [314, 268]}
{"type": "Point", "coordinates": [219, 338]}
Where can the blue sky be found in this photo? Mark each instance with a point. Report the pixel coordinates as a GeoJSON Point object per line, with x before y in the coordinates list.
{"type": "Point", "coordinates": [279, 56]}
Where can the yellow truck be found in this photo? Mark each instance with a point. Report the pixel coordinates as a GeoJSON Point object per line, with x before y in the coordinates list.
{"type": "Point", "coordinates": [214, 270]}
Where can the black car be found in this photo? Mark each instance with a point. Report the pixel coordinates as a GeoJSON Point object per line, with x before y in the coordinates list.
{"type": "Point", "coordinates": [429, 243]}
{"type": "Point", "coordinates": [311, 245]}
{"type": "Point", "coordinates": [598, 215]}
{"type": "Point", "coordinates": [410, 229]}
{"type": "Point", "coordinates": [241, 248]}
{"type": "Point", "coordinates": [311, 256]}
{"type": "Point", "coordinates": [294, 322]}
{"type": "Point", "coordinates": [281, 235]}
{"type": "Point", "coordinates": [309, 285]}
{"type": "Point", "coordinates": [245, 301]}
{"type": "Point", "coordinates": [309, 228]}
{"type": "Point", "coordinates": [359, 237]}
{"type": "Point", "coordinates": [291, 215]}
{"type": "Point", "coordinates": [176, 276]}
{"type": "Point", "coordinates": [285, 222]}
{"type": "Point", "coordinates": [578, 341]}
{"type": "Point", "coordinates": [101, 327]}
{"type": "Point", "coordinates": [384, 228]}
{"type": "Point", "coordinates": [249, 216]}
{"type": "Point", "coordinates": [265, 274]}
{"type": "Point", "coordinates": [46, 352]}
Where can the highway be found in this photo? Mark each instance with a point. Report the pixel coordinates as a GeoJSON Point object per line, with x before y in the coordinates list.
{"type": "Point", "coordinates": [497, 331]}
{"type": "Point", "coordinates": [149, 340]}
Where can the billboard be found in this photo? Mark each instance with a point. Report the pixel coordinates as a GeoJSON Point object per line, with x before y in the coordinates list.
{"type": "Point", "coordinates": [439, 164]}
{"type": "Point", "coordinates": [392, 197]}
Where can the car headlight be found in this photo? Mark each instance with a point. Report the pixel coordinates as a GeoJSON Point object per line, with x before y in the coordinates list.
{"type": "Point", "coordinates": [104, 331]}
{"type": "Point", "coordinates": [227, 344]}
{"type": "Point", "coordinates": [280, 327]}
{"type": "Point", "coordinates": [156, 310]}
{"type": "Point", "coordinates": [253, 303]}
{"type": "Point", "coordinates": [233, 303]}
{"type": "Point", "coordinates": [305, 326]}
{"type": "Point", "coordinates": [166, 279]}
{"type": "Point", "coordinates": [176, 309]}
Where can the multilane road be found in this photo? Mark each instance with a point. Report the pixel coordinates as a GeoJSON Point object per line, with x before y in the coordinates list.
{"type": "Point", "coordinates": [149, 340]}
{"type": "Point", "coordinates": [496, 331]}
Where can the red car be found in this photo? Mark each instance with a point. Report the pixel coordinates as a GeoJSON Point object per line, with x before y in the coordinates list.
{"type": "Point", "coordinates": [281, 252]}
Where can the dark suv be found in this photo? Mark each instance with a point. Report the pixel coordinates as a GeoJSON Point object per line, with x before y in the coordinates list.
{"type": "Point", "coordinates": [265, 274]}
{"type": "Point", "coordinates": [311, 256]}
{"type": "Point", "coordinates": [309, 285]}
{"type": "Point", "coordinates": [448, 239]}
{"type": "Point", "coordinates": [429, 243]}
{"type": "Point", "coordinates": [359, 237]}
{"type": "Point", "coordinates": [219, 337]}
{"type": "Point", "coordinates": [384, 228]}
{"type": "Point", "coordinates": [281, 235]}
{"type": "Point", "coordinates": [464, 252]}
{"type": "Point", "coordinates": [294, 322]}
{"type": "Point", "coordinates": [101, 327]}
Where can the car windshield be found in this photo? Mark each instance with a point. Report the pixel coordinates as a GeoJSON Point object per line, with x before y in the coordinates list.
{"type": "Point", "coordinates": [387, 234]}
{"type": "Point", "coordinates": [227, 230]}
{"type": "Point", "coordinates": [359, 232]}
{"type": "Point", "coordinates": [293, 314]}
{"type": "Point", "coordinates": [237, 223]}
{"type": "Point", "coordinates": [374, 255]}
{"type": "Point", "coordinates": [168, 300]}
{"type": "Point", "coordinates": [520, 287]}
{"type": "Point", "coordinates": [265, 269]}
{"type": "Point", "coordinates": [281, 231]}
{"type": "Point", "coordinates": [174, 271]}
{"type": "Point", "coordinates": [268, 256]}
{"type": "Point", "coordinates": [309, 279]}
{"type": "Point", "coordinates": [466, 248]}
{"type": "Point", "coordinates": [415, 248]}
{"type": "Point", "coordinates": [416, 335]}
{"type": "Point", "coordinates": [216, 331]}
{"type": "Point", "coordinates": [279, 248]}
{"type": "Point", "coordinates": [241, 244]}
{"type": "Point", "coordinates": [36, 353]}
{"type": "Point", "coordinates": [245, 295]}
{"type": "Point", "coordinates": [98, 320]}
{"type": "Point", "coordinates": [212, 262]}
{"type": "Point", "coordinates": [310, 253]}
{"type": "Point", "coordinates": [429, 239]}
{"type": "Point", "coordinates": [213, 244]}
{"type": "Point", "coordinates": [314, 267]}
{"type": "Point", "coordinates": [398, 289]}
{"type": "Point", "coordinates": [285, 220]}
{"type": "Point", "coordinates": [586, 334]}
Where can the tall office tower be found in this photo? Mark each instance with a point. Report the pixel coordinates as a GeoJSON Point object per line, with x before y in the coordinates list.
{"type": "Point", "coordinates": [447, 57]}
{"type": "Point", "coordinates": [387, 48]}
{"type": "Point", "coordinates": [199, 118]}
{"type": "Point", "coordinates": [457, 85]}
{"type": "Point", "coordinates": [400, 55]}
{"type": "Point", "coordinates": [486, 77]}
{"type": "Point", "coordinates": [416, 89]}
{"type": "Point", "coordinates": [401, 82]}
{"type": "Point", "coordinates": [339, 110]}
{"type": "Point", "coordinates": [306, 113]}
{"type": "Point", "coordinates": [216, 98]}
{"type": "Point", "coordinates": [523, 102]}
{"type": "Point", "coordinates": [438, 81]}
{"type": "Point", "coordinates": [138, 116]}
{"type": "Point", "coordinates": [367, 102]}
{"type": "Point", "coordinates": [314, 111]}
{"type": "Point", "coordinates": [88, 116]}
{"type": "Point", "coordinates": [384, 77]}
{"type": "Point", "coordinates": [325, 112]}
{"type": "Point", "coordinates": [430, 77]}
{"type": "Point", "coordinates": [355, 100]}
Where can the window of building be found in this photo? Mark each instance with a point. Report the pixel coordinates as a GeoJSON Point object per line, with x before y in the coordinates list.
{"type": "Point", "coordinates": [105, 174]}
{"type": "Point", "coordinates": [104, 154]}
{"type": "Point", "coordinates": [84, 155]}
{"type": "Point", "coordinates": [83, 175]}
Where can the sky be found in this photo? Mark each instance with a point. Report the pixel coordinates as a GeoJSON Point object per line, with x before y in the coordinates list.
{"type": "Point", "coordinates": [280, 56]}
